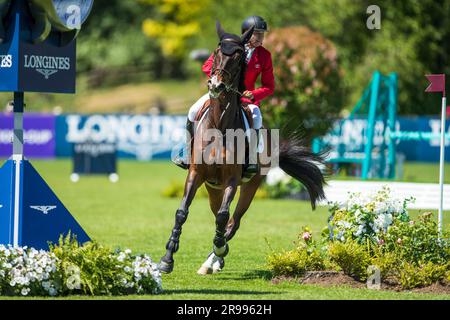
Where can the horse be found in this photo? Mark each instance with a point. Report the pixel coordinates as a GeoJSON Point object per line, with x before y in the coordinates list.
{"type": "Point", "coordinates": [223, 177]}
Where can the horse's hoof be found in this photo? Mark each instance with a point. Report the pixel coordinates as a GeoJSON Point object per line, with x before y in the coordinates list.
{"type": "Point", "coordinates": [203, 271]}
{"type": "Point", "coordinates": [221, 252]}
{"type": "Point", "coordinates": [165, 267]}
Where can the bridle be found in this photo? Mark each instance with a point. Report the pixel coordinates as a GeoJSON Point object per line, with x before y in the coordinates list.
{"type": "Point", "coordinates": [228, 87]}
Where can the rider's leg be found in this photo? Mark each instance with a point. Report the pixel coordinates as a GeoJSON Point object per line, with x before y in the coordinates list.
{"type": "Point", "coordinates": [257, 125]}
{"type": "Point", "coordinates": [182, 160]}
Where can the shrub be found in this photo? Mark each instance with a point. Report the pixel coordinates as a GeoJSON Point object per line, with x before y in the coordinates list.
{"type": "Point", "coordinates": [367, 217]}
{"type": "Point", "coordinates": [308, 256]}
{"type": "Point", "coordinates": [308, 81]}
{"type": "Point", "coordinates": [351, 257]}
{"type": "Point", "coordinates": [295, 262]}
{"type": "Point", "coordinates": [411, 275]}
{"type": "Point", "coordinates": [417, 241]}
{"type": "Point", "coordinates": [69, 268]}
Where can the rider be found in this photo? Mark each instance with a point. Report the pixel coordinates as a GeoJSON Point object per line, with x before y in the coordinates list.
{"type": "Point", "coordinates": [259, 62]}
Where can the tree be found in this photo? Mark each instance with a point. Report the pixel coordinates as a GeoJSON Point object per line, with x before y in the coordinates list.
{"type": "Point", "coordinates": [308, 81]}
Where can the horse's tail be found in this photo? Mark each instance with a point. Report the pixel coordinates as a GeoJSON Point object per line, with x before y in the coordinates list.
{"type": "Point", "coordinates": [298, 161]}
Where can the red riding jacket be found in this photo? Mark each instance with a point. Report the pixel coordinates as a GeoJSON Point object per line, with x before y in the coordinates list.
{"type": "Point", "coordinates": [259, 64]}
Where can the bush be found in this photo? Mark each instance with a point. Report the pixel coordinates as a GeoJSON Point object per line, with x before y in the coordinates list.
{"type": "Point", "coordinates": [69, 268]}
{"type": "Point", "coordinates": [351, 257]}
{"type": "Point", "coordinates": [308, 256]}
{"type": "Point", "coordinates": [308, 81]}
{"type": "Point", "coordinates": [295, 262]}
{"type": "Point", "coordinates": [412, 276]}
{"type": "Point", "coordinates": [364, 217]}
{"type": "Point", "coordinates": [374, 231]}
{"type": "Point", "coordinates": [417, 241]}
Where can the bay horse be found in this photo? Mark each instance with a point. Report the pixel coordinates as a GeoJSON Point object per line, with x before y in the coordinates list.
{"type": "Point", "coordinates": [213, 167]}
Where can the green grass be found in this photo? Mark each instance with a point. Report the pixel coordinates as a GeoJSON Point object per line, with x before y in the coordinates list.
{"type": "Point", "coordinates": [133, 214]}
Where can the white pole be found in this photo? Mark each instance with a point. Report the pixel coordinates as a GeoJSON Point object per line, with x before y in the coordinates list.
{"type": "Point", "coordinates": [441, 166]}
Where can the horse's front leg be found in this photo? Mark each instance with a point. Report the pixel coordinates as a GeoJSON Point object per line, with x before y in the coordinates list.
{"type": "Point", "coordinates": [193, 182]}
{"type": "Point", "coordinates": [222, 217]}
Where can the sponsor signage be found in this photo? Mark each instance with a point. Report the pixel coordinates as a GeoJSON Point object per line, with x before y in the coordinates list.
{"type": "Point", "coordinates": [35, 62]}
{"type": "Point", "coordinates": [142, 137]}
{"type": "Point", "coordinates": [349, 137]}
{"type": "Point", "coordinates": [94, 158]}
{"type": "Point", "coordinates": [39, 135]}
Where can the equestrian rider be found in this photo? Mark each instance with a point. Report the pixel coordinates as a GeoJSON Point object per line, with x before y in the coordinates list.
{"type": "Point", "coordinates": [259, 63]}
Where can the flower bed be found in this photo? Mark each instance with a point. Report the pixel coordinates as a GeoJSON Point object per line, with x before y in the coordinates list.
{"type": "Point", "coordinates": [372, 236]}
{"type": "Point", "coordinates": [69, 268]}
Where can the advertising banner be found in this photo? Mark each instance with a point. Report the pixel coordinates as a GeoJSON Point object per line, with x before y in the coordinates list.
{"type": "Point", "coordinates": [39, 135]}
{"type": "Point", "coordinates": [141, 137]}
{"type": "Point", "coordinates": [349, 137]}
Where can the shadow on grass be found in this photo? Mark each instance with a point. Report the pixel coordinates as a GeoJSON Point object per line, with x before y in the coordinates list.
{"type": "Point", "coordinates": [217, 292]}
{"type": "Point", "coordinates": [252, 275]}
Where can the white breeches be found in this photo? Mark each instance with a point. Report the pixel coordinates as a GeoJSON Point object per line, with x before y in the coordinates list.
{"type": "Point", "coordinates": [256, 113]}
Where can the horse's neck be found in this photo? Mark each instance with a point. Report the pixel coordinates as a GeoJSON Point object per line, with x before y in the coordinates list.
{"type": "Point", "coordinates": [223, 115]}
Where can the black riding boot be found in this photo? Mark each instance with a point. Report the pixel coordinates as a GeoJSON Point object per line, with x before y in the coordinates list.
{"type": "Point", "coordinates": [253, 168]}
{"type": "Point", "coordinates": [182, 160]}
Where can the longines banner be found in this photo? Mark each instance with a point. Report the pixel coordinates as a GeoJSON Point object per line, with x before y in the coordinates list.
{"type": "Point", "coordinates": [142, 137]}
{"type": "Point", "coordinates": [147, 137]}
{"type": "Point", "coordinates": [352, 138]}
{"type": "Point", "coordinates": [39, 135]}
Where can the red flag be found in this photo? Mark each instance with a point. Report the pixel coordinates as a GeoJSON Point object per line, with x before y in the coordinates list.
{"type": "Point", "coordinates": [437, 83]}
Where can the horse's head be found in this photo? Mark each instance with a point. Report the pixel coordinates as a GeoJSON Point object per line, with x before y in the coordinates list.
{"type": "Point", "coordinates": [229, 59]}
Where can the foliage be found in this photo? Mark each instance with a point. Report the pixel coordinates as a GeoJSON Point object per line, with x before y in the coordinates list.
{"type": "Point", "coordinates": [374, 231]}
{"type": "Point", "coordinates": [351, 257]}
{"type": "Point", "coordinates": [411, 275]}
{"type": "Point", "coordinates": [177, 22]}
{"type": "Point", "coordinates": [69, 268]}
{"type": "Point", "coordinates": [308, 256]}
{"type": "Point", "coordinates": [111, 39]}
{"type": "Point", "coordinates": [308, 87]}
{"type": "Point", "coordinates": [364, 217]}
{"type": "Point", "coordinates": [417, 242]}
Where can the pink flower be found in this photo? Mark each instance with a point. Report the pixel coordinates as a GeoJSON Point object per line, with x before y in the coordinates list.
{"type": "Point", "coordinates": [381, 242]}
{"type": "Point", "coordinates": [411, 223]}
{"type": "Point", "coordinates": [306, 236]}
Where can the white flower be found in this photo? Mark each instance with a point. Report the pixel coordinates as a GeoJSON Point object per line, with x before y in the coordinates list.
{"type": "Point", "coordinates": [25, 291]}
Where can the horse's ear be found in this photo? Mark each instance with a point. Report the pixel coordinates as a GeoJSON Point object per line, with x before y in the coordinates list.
{"type": "Point", "coordinates": [219, 29]}
{"type": "Point", "coordinates": [247, 35]}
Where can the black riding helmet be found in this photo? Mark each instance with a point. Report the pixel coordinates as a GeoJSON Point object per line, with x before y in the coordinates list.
{"type": "Point", "coordinates": [257, 21]}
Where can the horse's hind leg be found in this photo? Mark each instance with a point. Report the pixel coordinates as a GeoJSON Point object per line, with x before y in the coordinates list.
{"type": "Point", "coordinates": [193, 182]}
{"type": "Point", "coordinates": [248, 192]}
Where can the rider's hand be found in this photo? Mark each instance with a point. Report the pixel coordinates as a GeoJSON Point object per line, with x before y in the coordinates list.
{"type": "Point", "coordinates": [249, 95]}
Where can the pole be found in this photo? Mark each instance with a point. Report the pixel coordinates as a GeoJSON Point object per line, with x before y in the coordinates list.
{"type": "Point", "coordinates": [17, 158]}
{"type": "Point", "coordinates": [18, 125]}
{"type": "Point", "coordinates": [441, 165]}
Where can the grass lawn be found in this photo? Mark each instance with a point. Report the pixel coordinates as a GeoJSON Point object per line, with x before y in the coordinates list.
{"type": "Point", "coordinates": [133, 214]}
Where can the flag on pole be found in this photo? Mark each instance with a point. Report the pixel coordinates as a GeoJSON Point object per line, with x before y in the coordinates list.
{"type": "Point", "coordinates": [437, 83]}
